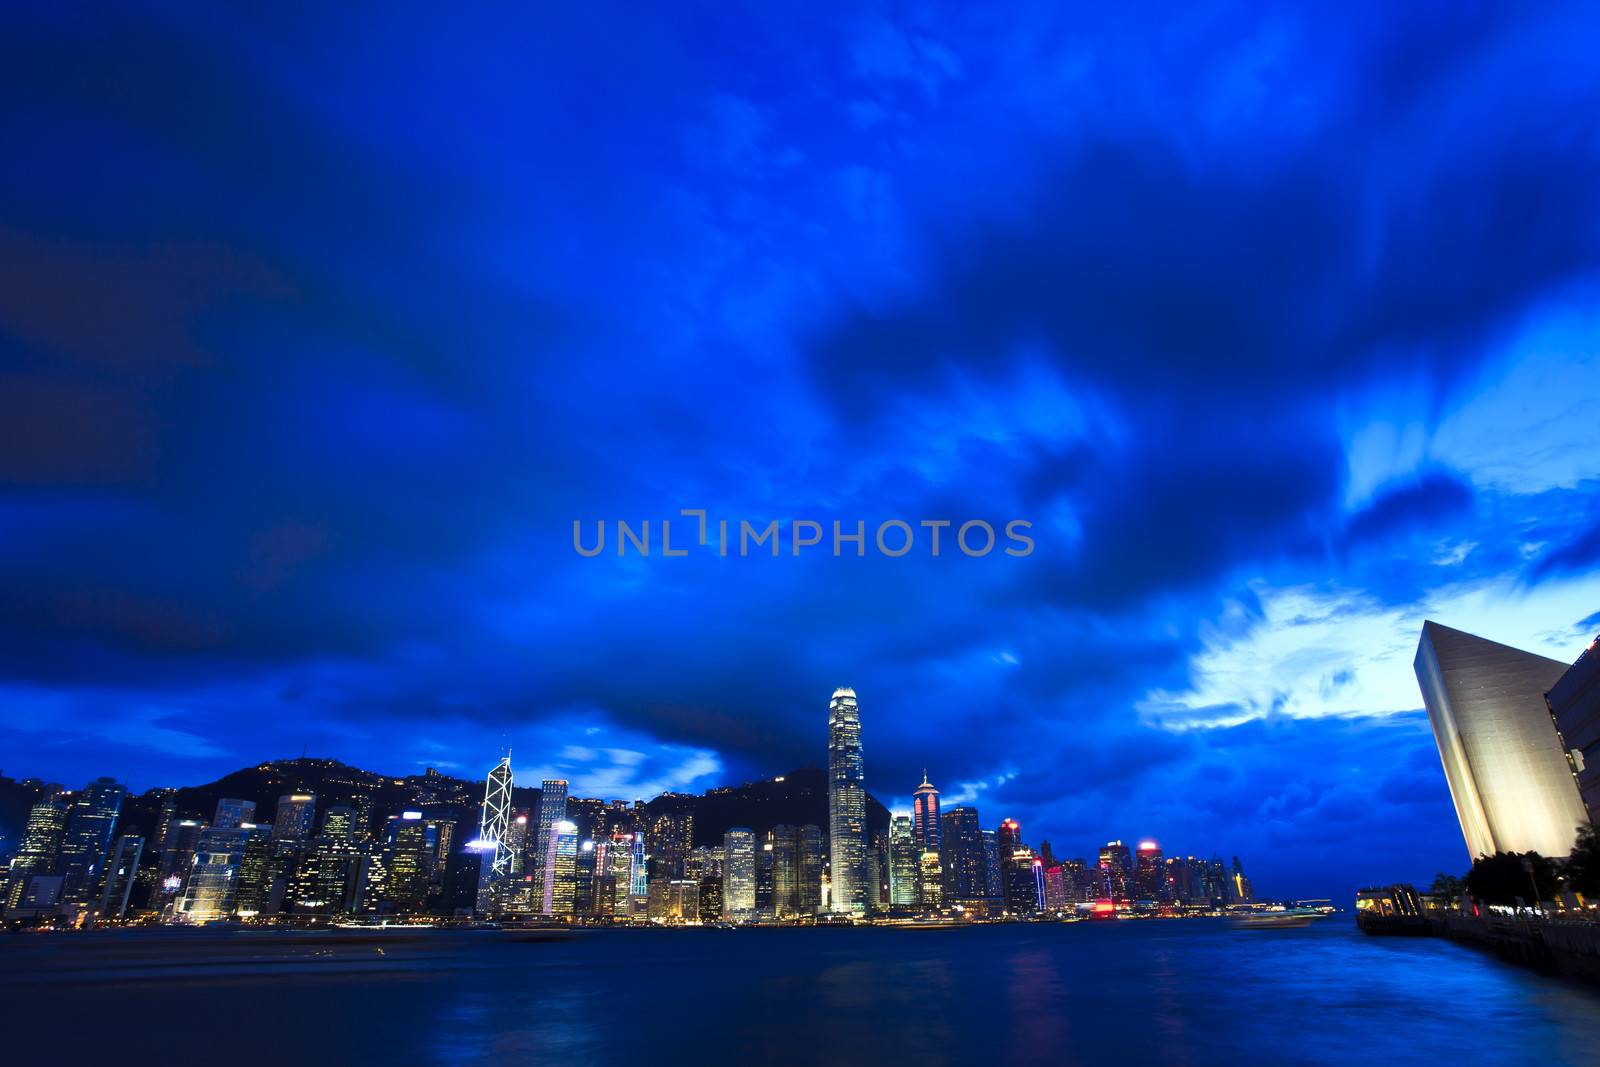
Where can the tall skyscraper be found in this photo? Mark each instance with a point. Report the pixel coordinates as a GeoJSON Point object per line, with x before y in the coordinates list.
{"type": "Point", "coordinates": [233, 813]}
{"type": "Point", "coordinates": [1508, 774]}
{"type": "Point", "coordinates": [121, 871]}
{"type": "Point", "coordinates": [963, 854]}
{"type": "Point", "coordinates": [87, 842]}
{"type": "Point", "coordinates": [847, 804]}
{"type": "Point", "coordinates": [925, 816]}
{"type": "Point", "coordinates": [1024, 886]}
{"type": "Point", "coordinates": [1150, 872]}
{"type": "Point", "coordinates": [785, 842]}
{"type": "Point", "coordinates": [902, 863]}
{"type": "Point", "coordinates": [40, 855]}
{"type": "Point", "coordinates": [993, 876]}
{"type": "Point", "coordinates": [296, 815]}
{"type": "Point", "coordinates": [809, 891]}
{"type": "Point", "coordinates": [1117, 864]}
{"type": "Point", "coordinates": [552, 809]}
{"type": "Point", "coordinates": [561, 869]}
{"type": "Point", "coordinates": [212, 888]}
{"type": "Point", "coordinates": [739, 874]}
{"type": "Point", "coordinates": [496, 818]}
{"type": "Point", "coordinates": [1575, 704]}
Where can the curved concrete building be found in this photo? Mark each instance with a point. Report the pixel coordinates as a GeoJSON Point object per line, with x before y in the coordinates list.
{"type": "Point", "coordinates": [1512, 785]}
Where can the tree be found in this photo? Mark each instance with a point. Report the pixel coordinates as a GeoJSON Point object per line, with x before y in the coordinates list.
{"type": "Point", "coordinates": [1583, 866]}
{"type": "Point", "coordinates": [1447, 887]}
{"type": "Point", "coordinates": [1502, 878]}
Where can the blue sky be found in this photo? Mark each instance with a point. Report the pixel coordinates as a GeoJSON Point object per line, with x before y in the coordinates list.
{"type": "Point", "coordinates": [317, 332]}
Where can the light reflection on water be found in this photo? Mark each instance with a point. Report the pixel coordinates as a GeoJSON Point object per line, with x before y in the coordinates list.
{"type": "Point", "coordinates": [1194, 993]}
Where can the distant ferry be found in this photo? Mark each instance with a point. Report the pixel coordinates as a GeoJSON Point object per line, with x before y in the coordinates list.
{"type": "Point", "coordinates": [1282, 919]}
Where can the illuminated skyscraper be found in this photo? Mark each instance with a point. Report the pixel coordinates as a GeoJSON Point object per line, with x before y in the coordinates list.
{"type": "Point", "coordinates": [1509, 777]}
{"type": "Point", "coordinates": [233, 813]}
{"type": "Point", "coordinates": [930, 881]}
{"type": "Point", "coordinates": [496, 819]}
{"type": "Point", "coordinates": [1117, 863]}
{"type": "Point", "coordinates": [962, 851]}
{"type": "Point", "coordinates": [847, 804]}
{"type": "Point", "coordinates": [561, 869]}
{"type": "Point", "coordinates": [41, 848]}
{"type": "Point", "coordinates": [121, 871]}
{"type": "Point", "coordinates": [809, 891]}
{"type": "Point", "coordinates": [411, 847]}
{"type": "Point", "coordinates": [1149, 872]}
{"type": "Point", "coordinates": [902, 863]}
{"type": "Point", "coordinates": [552, 809]}
{"type": "Point", "coordinates": [87, 841]}
{"type": "Point", "coordinates": [1024, 885]}
{"type": "Point", "coordinates": [925, 825]}
{"type": "Point", "coordinates": [296, 815]}
{"type": "Point", "coordinates": [739, 874]}
{"type": "Point", "coordinates": [993, 876]}
{"type": "Point", "coordinates": [211, 890]}
{"type": "Point", "coordinates": [785, 844]}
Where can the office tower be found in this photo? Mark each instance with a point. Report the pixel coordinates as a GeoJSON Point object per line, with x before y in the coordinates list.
{"type": "Point", "coordinates": [233, 813]}
{"type": "Point", "coordinates": [617, 867]}
{"type": "Point", "coordinates": [1503, 759]}
{"type": "Point", "coordinates": [121, 871]}
{"type": "Point", "coordinates": [638, 877]}
{"type": "Point", "coordinates": [669, 835]}
{"type": "Point", "coordinates": [1055, 888]}
{"type": "Point", "coordinates": [561, 870]}
{"type": "Point", "coordinates": [876, 872]}
{"type": "Point", "coordinates": [295, 817]}
{"type": "Point", "coordinates": [496, 818]}
{"type": "Point", "coordinates": [1023, 886]}
{"type": "Point", "coordinates": [552, 809]}
{"type": "Point", "coordinates": [766, 905]}
{"type": "Point", "coordinates": [710, 901]}
{"type": "Point", "coordinates": [40, 855]}
{"type": "Point", "coordinates": [177, 856]}
{"type": "Point", "coordinates": [739, 874]}
{"type": "Point", "coordinates": [516, 841]}
{"type": "Point", "coordinates": [705, 862]}
{"type": "Point", "coordinates": [993, 877]}
{"type": "Point", "coordinates": [1079, 880]}
{"type": "Point", "coordinates": [809, 890]}
{"type": "Point", "coordinates": [1149, 872]}
{"type": "Point", "coordinates": [87, 841]}
{"type": "Point", "coordinates": [589, 815]}
{"type": "Point", "coordinates": [784, 841]}
{"type": "Point", "coordinates": [925, 816]}
{"type": "Point", "coordinates": [1239, 886]}
{"type": "Point", "coordinates": [847, 804]}
{"type": "Point", "coordinates": [583, 878]}
{"type": "Point", "coordinates": [674, 900]}
{"type": "Point", "coordinates": [1117, 863]}
{"type": "Point", "coordinates": [930, 882]}
{"type": "Point", "coordinates": [211, 890]}
{"type": "Point", "coordinates": [1574, 702]}
{"type": "Point", "coordinates": [164, 817]}
{"type": "Point", "coordinates": [962, 851]}
{"type": "Point", "coordinates": [902, 863]}
{"type": "Point", "coordinates": [410, 846]}
{"type": "Point", "coordinates": [329, 877]}
{"type": "Point", "coordinates": [1046, 857]}
{"type": "Point", "coordinates": [255, 870]}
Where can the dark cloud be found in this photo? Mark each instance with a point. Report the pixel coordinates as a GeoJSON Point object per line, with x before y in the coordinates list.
{"type": "Point", "coordinates": [315, 336]}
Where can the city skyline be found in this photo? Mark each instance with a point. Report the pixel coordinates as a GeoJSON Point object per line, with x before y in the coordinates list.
{"type": "Point", "coordinates": [1278, 327]}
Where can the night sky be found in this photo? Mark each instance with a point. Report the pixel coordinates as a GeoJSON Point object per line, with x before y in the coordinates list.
{"type": "Point", "coordinates": [318, 330]}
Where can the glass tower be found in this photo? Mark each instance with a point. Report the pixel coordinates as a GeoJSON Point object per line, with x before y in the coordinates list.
{"type": "Point", "coordinates": [847, 804]}
{"type": "Point", "coordinates": [552, 809]}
